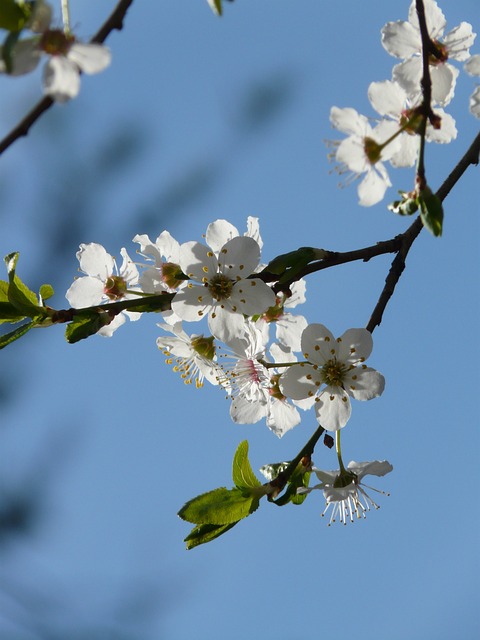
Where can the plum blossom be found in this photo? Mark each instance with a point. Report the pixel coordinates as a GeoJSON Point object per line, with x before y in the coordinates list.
{"type": "Point", "coordinates": [363, 150]}
{"type": "Point", "coordinates": [343, 489]}
{"type": "Point", "coordinates": [224, 292]}
{"type": "Point", "coordinates": [104, 281]}
{"type": "Point", "coordinates": [195, 357]}
{"type": "Point", "coordinates": [254, 387]}
{"type": "Point", "coordinates": [472, 66]}
{"type": "Point", "coordinates": [339, 365]}
{"type": "Point", "coordinates": [163, 256]}
{"type": "Point", "coordinates": [402, 39]}
{"type": "Point", "coordinates": [68, 58]}
{"type": "Point", "coordinates": [389, 99]}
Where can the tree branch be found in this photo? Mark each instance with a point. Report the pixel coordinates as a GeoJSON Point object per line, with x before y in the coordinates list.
{"type": "Point", "coordinates": [113, 22]}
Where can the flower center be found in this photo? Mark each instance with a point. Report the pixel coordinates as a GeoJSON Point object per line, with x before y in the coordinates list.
{"type": "Point", "coordinates": [440, 55]}
{"type": "Point", "coordinates": [333, 373]}
{"type": "Point", "coordinates": [220, 287]}
{"type": "Point", "coordinates": [372, 149]}
{"type": "Point", "coordinates": [274, 313]}
{"type": "Point", "coordinates": [55, 42]}
{"type": "Point", "coordinates": [115, 287]}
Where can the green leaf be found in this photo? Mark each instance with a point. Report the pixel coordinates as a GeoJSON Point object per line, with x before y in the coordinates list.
{"type": "Point", "coordinates": [431, 212]}
{"type": "Point", "coordinates": [13, 16]}
{"type": "Point", "coordinates": [243, 476]}
{"type": "Point", "coordinates": [288, 265]}
{"type": "Point", "coordinates": [220, 506]}
{"type": "Point", "coordinates": [22, 298]}
{"type": "Point", "coordinates": [206, 533]}
{"type": "Point", "coordinates": [17, 333]}
{"type": "Point", "coordinates": [9, 313]}
{"type": "Point", "coordinates": [84, 326]}
{"type": "Point", "coordinates": [46, 291]}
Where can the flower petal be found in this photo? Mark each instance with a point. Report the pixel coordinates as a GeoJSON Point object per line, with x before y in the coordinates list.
{"type": "Point", "coordinates": [333, 408]}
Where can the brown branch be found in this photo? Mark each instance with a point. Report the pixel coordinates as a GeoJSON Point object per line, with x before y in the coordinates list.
{"type": "Point", "coordinates": [113, 22]}
{"type": "Point", "coordinates": [471, 157]}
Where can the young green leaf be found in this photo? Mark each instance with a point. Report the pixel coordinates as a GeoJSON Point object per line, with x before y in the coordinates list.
{"type": "Point", "coordinates": [431, 212]}
{"type": "Point", "coordinates": [84, 326]}
{"type": "Point", "coordinates": [206, 533]}
{"type": "Point", "coordinates": [19, 295]}
{"type": "Point", "coordinates": [9, 313]}
{"type": "Point", "coordinates": [46, 292]}
{"type": "Point", "coordinates": [243, 476]}
{"type": "Point", "coordinates": [220, 506]}
{"type": "Point", "coordinates": [13, 16]}
{"type": "Point", "coordinates": [17, 333]}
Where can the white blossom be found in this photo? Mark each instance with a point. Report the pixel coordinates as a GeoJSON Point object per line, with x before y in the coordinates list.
{"type": "Point", "coordinates": [344, 492]}
{"type": "Point", "coordinates": [389, 99]}
{"type": "Point", "coordinates": [402, 39]}
{"type": "Point", "coordinates": [472, 66]}
{"type": "Point", "coordinates": [104, 281]}
{"type": "Point", "coordinates": [339, 365]}
{"type": "Point", "coordinates": [223, 290]}
{"type": "Point", "coordinates": [192, 356]}
{"type": "Point", "coordinates": [362, 152]}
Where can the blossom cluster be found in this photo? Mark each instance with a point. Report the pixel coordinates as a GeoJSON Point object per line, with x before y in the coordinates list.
{"type": "Point", "coordinates": [67, 58]}
{"type": "Point", "coordinates": [265, 357]}
{"type": "Point", "coordinates": [394, 136]}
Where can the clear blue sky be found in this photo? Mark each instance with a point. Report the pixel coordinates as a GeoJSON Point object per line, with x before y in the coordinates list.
{"type": "Point", "coordinates": [109, 440]}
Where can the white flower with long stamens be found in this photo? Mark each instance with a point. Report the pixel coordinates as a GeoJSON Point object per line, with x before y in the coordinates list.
{"type": "Point", "coordinates": [363, 151]}
{"type": "Point", "coordinates": [104, 282]}
{"type": "Point", "coordinates": [472, 67]}
{"type": "Point", "coordinates": [253, 386]}
{"type": "Point", "coordinates": [337, 363]}
{"type": "Point", "coordinates": [192, 356]}
{"type": "Point", "coordinates": [224, 292]}
{"type": "Point", "coordinates": [391, 100]}
{"type": "Point", "coordinates": [344, 492]}
{"type": "Point", "coordinates": [403, 40]}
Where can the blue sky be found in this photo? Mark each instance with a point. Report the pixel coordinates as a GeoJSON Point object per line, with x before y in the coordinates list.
{"type": "Point", "coordinates": [106, 440]}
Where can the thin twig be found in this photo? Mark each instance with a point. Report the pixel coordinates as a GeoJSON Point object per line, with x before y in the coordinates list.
{"type": "Point", "coordinates": [113, 22]}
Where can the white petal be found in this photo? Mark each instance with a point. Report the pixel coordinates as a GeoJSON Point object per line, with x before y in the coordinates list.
{"type": "Point", "coordinates": [253, 230]}
{"type": "Point", "coordinates": [239, 257]}
{"type": "Point", "coordinates": [281, 417]}
{"type": "Point", "coordinates": [250, 297]}
{"type": "Point", "coordinates": [244, 412]}
{"type": "Point", "coordinates": [401, 39]}
{"type": "Point", "coordinates": [387, 98]}
{"type": "Point", "coordinates": [85, 292]}
{"type": "Point", "coordinates": [349, 121]}
{"type": "Point", "coordinates": [364, 383]}
{"type": "Point", "coordinates": [225, 325]}
{"type": "Point", "coordinates": [472, 66]}
{"type": "Point", "coordinates": [444, 78]}
{"type": "Point", "coordinates": [333, 408]}
{"type": "Point", "coordinates": [474, 104]}
{"type": "Point", "coordinates": [372, 188]}
{"type": "Point", "coordinates": [192, 303]}
{"type": "Point", "coordinates": [95, 261]}
{"type": "Point", "coordinates": [108, 330]}
{"type": "Point", "coordinates": [197, 261]}
{"type": "Point", "coordinates": [459, 41]}
{"type": "Point", "coordinates": [355, 344]}
{"type": "Point", "coordinates": [434, 17]}
{"type": "Point", "coordinates": [406, 154]}
{"type": "Point", "coordinates": [447, 131]}
{"type": "Point", "coordinates": [374, 468]}
{"type": "Point", "coordinates": [318, 344]}
{"type": "Point", "coordinates": [298, 382]}
{"type": "Point", "coordinates": [61, 79]}
{"type": "Point", "coordinates": [90, 58]}
{"type": "Point", "coordinates": [219, 233]}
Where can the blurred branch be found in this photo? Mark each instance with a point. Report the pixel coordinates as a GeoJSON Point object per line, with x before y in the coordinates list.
{"type": "Point", "coordinates": [113, 22]}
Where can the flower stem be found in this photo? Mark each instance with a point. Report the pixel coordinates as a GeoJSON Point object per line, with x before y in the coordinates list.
{"type": "Point", "coordinates": [338, 449]}
{"type": "Point", "coordinates": [66, 16]}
